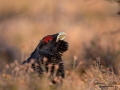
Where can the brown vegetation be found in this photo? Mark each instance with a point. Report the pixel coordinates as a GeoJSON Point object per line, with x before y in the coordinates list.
{"type": "Point", "coordinates": [93, 30]}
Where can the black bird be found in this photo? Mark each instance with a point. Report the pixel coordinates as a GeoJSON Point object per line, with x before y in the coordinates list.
{"type": "Point", "coordinates": [51, 47]}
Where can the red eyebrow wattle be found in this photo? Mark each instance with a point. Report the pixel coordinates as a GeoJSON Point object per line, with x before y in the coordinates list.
{"type": "Point", "coordinates": [47, 38]}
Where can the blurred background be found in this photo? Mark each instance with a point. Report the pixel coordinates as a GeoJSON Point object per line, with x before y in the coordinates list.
{"type": "Point", "coordinates": [92, 27]}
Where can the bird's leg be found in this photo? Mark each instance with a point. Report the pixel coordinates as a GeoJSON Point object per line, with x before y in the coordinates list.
{"type": "Point", "coordinates": [61, 70]}
{"type": "Point", "coordinates": [60, 74]}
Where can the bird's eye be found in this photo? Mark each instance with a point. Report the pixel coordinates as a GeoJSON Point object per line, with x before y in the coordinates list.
{"type": "Point", "coordinates": [47, 39]}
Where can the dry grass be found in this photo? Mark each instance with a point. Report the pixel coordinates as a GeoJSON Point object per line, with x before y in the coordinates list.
{"type": "Point", "coordinates": [15, 77]}
{"type": "Point", "coordinates": [24, 23]}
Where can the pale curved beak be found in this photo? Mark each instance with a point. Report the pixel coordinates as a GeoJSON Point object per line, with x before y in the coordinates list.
{"type": "Point", "coordinates": [61, 36]}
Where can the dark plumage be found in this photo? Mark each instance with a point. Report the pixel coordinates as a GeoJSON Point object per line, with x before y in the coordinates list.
{"type": "Point", "coordinates": [51, 47]}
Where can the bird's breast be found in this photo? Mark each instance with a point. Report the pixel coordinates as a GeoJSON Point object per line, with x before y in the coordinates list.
{"type": "Point", "coordinates": [54, 60]}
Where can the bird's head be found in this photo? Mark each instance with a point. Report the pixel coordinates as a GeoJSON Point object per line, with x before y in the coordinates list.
{"type": "Point", "coordinates": [53, 44]}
